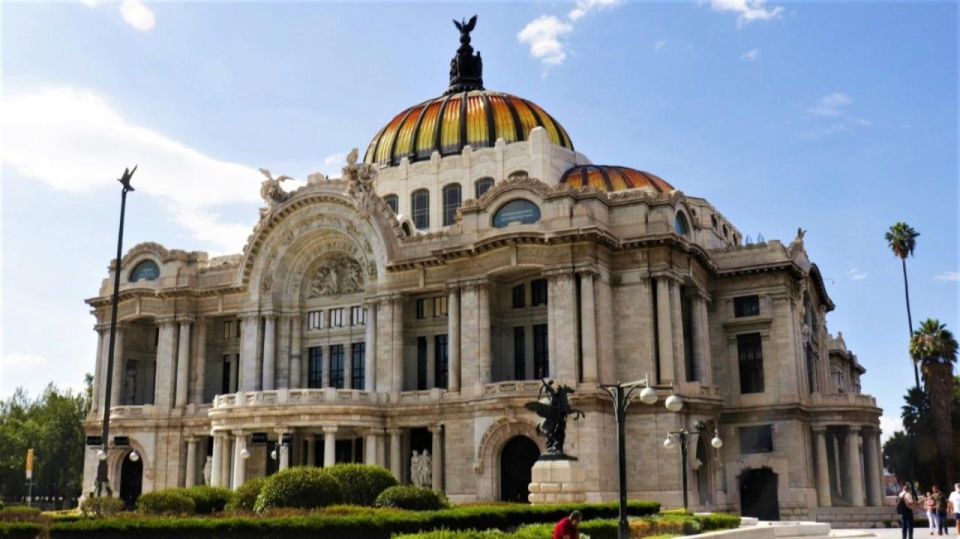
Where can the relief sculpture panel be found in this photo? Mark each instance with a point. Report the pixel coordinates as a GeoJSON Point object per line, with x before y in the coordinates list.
{"type": "Point", "coordinates": [337, 274]}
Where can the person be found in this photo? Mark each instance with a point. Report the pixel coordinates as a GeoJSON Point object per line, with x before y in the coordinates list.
{"type": "Point", "coordinates": [955, 505]}
{"type": "Point", "coordinates": [931, 508]}
{"type": "Point", "coordinates": [568, 527]}
{"type": "Point", "coordinates": [941, 510]}
{"type": "Point", "coordinates": [905, 505]}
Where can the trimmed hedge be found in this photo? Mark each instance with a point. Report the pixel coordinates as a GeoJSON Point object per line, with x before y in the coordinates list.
{"type": "Point", "coordinates": [362, 483]}
{"type": "Point", "coordinates": [304, 486]}
{"type": "Point", "coordinates": [101, 507]}
{"type": "Point", "coordinates": [165, 502]}
{"type": "Point", "coordinates": [411, 497]}
{"type": "Point", "coordinates": [245, 497]}
{"type": "Point", "coordinates": [20, 513]}
{"type": "Point", "coordinates": [208, 500]}
{"type": "Point", "coordinates": [20, 530]}
{"type": "Point", "coordinates": [364, 524]}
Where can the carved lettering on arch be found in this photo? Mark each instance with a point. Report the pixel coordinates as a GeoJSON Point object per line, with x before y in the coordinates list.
{"type": "Point", "coordinates": [338, 274]}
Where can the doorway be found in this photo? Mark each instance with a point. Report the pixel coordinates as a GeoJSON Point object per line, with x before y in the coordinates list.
{"type": "Point", "coordinates": [758, 494]}
{"type": "Point", "coordinates": [131, 480]}
{"type": "Point", "coordinates": [516, 461]}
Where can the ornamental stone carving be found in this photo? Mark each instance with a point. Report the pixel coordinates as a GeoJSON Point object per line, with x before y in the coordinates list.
{"type": "Point", "coordinates": [360, 180]}
{"type": "Point", "coordinates": [338, 274]}
{"type": "Point", "coordinates": [270, 189]}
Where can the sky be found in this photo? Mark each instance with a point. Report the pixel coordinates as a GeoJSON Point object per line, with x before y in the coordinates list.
{"type": "Point", "coordinates": [840, 118]}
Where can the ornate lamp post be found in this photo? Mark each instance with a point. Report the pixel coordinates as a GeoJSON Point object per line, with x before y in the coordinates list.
{"type": "Point", "coordinates": [108, 375]}
{"type": "Point", "coordinates": [622, 397]}
{"type": "Point", "coordinates": [682, 436]}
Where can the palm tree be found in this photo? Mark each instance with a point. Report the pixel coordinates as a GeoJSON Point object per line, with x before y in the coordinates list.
{"type": "Point", "coordinates": [935, 349]}
{"type": "Point", "coordinates": [902, 239]}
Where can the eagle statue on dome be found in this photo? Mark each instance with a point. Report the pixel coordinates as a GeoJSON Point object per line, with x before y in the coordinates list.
{"type": "Point", "coordinates": [466, 68]}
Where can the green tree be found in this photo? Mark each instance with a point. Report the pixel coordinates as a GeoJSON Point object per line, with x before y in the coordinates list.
{"type": "Point", "coordinates": [902, 239]}
{"type": "Point", "coordinates": [52, 425]}
{"type": "Point", "coordinates": [934, 347]}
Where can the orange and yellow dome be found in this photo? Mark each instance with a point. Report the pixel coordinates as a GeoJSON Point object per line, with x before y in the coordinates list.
{"type": "Point", "coordinates": [448, 123]}
{"type": "Point", "coordinates": [612, 178]}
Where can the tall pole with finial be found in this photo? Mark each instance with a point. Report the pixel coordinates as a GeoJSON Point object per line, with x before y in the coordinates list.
{"type": "Point", "coordinates": [102, 478]}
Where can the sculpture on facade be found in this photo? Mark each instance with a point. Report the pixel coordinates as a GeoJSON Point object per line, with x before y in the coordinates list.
{"type": "Point", "coordinates": [466, 68]}
{"type": "Point", "coordinates": [421, 469]}
{"type": "Point", "coordinates": [338, 274]}
{"type": "Point", "coordinates": [359, 180]}
{"type": "Point", "coordinates": [553, 410]}
{"type": "Point", "coordinates": [207, 470]}
{"type": "Point", "coordinates": [270, 190]}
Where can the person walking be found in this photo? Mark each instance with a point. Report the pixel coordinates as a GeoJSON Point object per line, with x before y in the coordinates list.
{"type": "Point", "coordinates": [955, 505]}
{"type": "Point", "coordinates": [931, 508]}
{"type": "Point", "coordinates": [940, 499]}
{"type": "Point", "coordinates": [905, 505]}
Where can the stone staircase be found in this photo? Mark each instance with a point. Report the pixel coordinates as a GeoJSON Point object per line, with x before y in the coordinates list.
{"type": "Point", "coordinates": [858, 517]}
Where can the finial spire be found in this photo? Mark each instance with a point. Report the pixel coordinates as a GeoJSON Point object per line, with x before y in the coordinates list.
{"type": "Point", "coordinates": [466, 68]}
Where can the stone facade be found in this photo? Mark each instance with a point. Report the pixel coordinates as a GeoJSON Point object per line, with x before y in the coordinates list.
{"type": "Point", "coordinates": [343, 333]}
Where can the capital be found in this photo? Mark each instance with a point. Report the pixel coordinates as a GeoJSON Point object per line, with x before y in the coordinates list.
{"type": "Point", "coordinates": [329, 429]}
{"type": "Point", "coordinates": [435, 429]}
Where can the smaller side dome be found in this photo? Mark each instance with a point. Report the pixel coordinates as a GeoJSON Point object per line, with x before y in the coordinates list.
{"type": "Point", "coordinates": [613, 178]}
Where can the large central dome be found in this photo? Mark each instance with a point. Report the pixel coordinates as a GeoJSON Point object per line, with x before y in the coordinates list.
{"type": "Point", "coordinates": [466, 114]}
{"type": "Point", "coordinates": [448, 123]}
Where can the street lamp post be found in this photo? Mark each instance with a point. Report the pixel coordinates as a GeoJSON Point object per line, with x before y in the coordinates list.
{"type": "Point", "coordinates": [682, 436]}
{"type": "Point", "coordinates": [622, 397]}
{"type": "Point", "coordinates": [108, 375]}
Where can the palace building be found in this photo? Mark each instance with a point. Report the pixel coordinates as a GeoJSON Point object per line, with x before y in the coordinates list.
{"type": "Point", "coordinates": [414, 304]}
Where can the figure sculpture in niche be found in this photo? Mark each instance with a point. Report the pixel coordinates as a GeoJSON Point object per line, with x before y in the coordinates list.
{"type": "Point", "coordinates": [553, 411]}
{"type": "Point", "coordinates": [421, 469]}
{"type": "Point", "coordinates": [207, 470]}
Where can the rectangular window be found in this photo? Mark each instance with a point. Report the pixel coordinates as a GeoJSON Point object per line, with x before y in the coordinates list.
{"type": "Point", "coordinates": [538, 292]}
{"type": "Point", "coordinates": [421, 363]}
{"type": "Point", "coordinates": [421, 309]}
{"type": "Point", "coordinates": [757, 439]}
{"type": "Point", "coordinates": [358, 352]}
{"type": "Point", "coordinates": [440, 361]}
{"type": "Point", "coordinates": [750, 354]}
{"type": "Point", "coordinates": [228, 330]}
{"type": "Point", "coordinates": [519, 354]}
{"type": "Point", "coordinates": [336, 318]}
{"type": "Point", "coordinates": [336, 366]}
{"type": "Point", "coordinates": [541, 353]}
{"type": "Point", "coordinates": [315, 367]}
{"type": "Point", "coordinates": [746, 306]}
{"type": "Point", "coordinates": [225, 377]}
{"type": "Point", "coordinates": [358, 315]}
{"type": "Point", "coordinates": [440, 306]}
{"type": "Point", "coordinates": [314, 319]}
{"type": "Point", "coordinates": [519, 296]}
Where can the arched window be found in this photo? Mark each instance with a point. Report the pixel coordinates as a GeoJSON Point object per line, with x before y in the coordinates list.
{"type": "Point", "coordinates": [451, 201]}
{"type": "Point", "coordinates": [680, 225]}
{"type": "Point", "coordinates": [481, 186]}
{"type": "Point", "coordinates": [516, 211]}
{"type": "Point", "coordinates": [146, 271]}
{"type": "Point", "coordinates": [420, 206]}
{"type": "Point", "coordinates": [394, 202]}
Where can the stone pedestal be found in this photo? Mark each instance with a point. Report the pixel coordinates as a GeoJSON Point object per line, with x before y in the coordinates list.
{"type": "Point", "coordinates": [557, 481]}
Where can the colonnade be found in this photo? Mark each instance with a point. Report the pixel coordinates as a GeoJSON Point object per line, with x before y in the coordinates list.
{"type": "Point", "coordinates": [849, 459]}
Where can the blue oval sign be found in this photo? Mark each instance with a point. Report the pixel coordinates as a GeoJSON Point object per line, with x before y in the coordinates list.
{"type": "Point", "coordinates": [516, 211]}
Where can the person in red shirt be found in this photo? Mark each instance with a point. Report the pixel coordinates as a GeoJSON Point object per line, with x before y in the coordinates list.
{"type": "Point", "coordinates": [568, 527]}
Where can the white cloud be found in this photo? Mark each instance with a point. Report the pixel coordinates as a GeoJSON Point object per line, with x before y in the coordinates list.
{"type": "Point", "coordinates": [948, 276]}
{"type": "Point", "coordinates": [586, 6]}
{"type": "Point", "coordinates": [832, 105]}
{"type": "Point", "coordinates": [751, 55]}
{"type": "Point", "coordinates": [889, 425]}
{"type": "Point", "coordinates": [89, 3]}
{"type": "Point", "coordinates": [834, 108]}
{"type": "Point", "coordinates": [660, 45]}
{"type": "Point", "coordinates": [74, 141]}
{"type": "Point", "coordinates": [543, 36]}
{"type": "Point", "coordinates": [855, 274]}
{"type": "Point", "coordinates": [137, 15]}
{"type": "Point", "coordinates": [747, 10]}
{"type": "Point", "coordinates": [22, 362]}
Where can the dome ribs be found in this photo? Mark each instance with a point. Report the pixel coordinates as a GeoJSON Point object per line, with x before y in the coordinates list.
{"type": "Point", "coordinates": [463, 120]}
{"type": "Point", "coordinates": [491, 126]}
{"type": "Point", "coordinates": [609, 178]}
{"type": "Point", "coordinates": [440, 121]}
{"type": "Point", "coordinates": [415, 137]}
{"type": "Point", "coordinates": [394, 160]}
{"type": "Point", "coordinates": [517, 126]}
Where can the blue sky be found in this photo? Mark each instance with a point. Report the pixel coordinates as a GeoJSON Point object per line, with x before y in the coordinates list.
{"type": "Point", "coordinates": [837, 117]}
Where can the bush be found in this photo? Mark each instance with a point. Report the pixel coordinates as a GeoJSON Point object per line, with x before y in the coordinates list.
{"type": "Point", "coordinates": [104, 506]}
{"type": "Point", "coordinates": [245, 497]}
{"type": "Point", "coordinates": [2, 505]}
{"type": "Point", "coordinates": [20, 530]}
{"type": "Point", "coordinates": [362, 483]}
{"type": "Point", "coordinates": [303, 486]}
{"type": "Point", "coordinates": [410, 497]}
{"type": "Point", "coordinates": [165, 502]}
{"type": "Point", "coordinates": [208, 500]}
{"type": "Point", "coordinates": [19, 513]}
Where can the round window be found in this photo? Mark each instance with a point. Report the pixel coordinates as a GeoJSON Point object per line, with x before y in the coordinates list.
{"type": "Point", "coordinates": [145, 271]}
{"type": "Point", "coordinates": [516, 211]}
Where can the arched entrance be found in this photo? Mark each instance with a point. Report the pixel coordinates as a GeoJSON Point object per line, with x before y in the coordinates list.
{"type": "Point", "coordinates": [758, 494]}
{"type": "Point", "coordinates": [131, 480]}
{"type": "Point", "coordinates": [516, 460]}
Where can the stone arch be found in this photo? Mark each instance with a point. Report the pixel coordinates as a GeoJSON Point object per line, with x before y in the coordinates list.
{"type": "Point", "coordinates": [487, 463]}
{"type": "Point", "coordinates": [756, 461]}
{"type": "Point", "coordinates": [115, 462]}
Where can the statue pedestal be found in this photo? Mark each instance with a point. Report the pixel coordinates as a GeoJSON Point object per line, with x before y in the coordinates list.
{"type": "Point", "coordinates": [557, 481]}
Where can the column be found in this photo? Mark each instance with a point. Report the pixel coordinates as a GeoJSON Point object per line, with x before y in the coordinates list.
{"type": "Point", "coordinates": [453, 339]}
{"type": "Point", "coordinates": [838, 467]}
{"type": "Point", "coordinates": [469, 306]}
{"type": "Point", "coordinates": [562, 331]}
{"type": "Point", "coordinates": [370, 447]}
{"type": "Point", "coordinates": [329, 446]}
{"type": "Point", "coordinates": [874, 488]}
{"type": "Point", "coordinates": [226, 461]}
{"type": "Point", "coordinates": [824, 498]}
{"type": "Point", "coordinates": [98, 371]}
{"type": "Point", "coordinates": [395, 465]}
{"type": "Point", "coordinates": [283, 451]}
{"type": "Point", "coordinates": [191, 476]}
{"type": "Point", "coordinates": [588, 327]}
{"type": "Point", "coordinates": [116, 389]}
{"type": "Point", "coordinates": [296, 353]}
{"type": "Point", "coordinates": [436, 456]}
{"type": "Point", "coordinates": [166, 365]}
{"type": "Point", "coordinates": [484, 360]}
{"type": "Point", "coordinates": [679, 355]}
{"type": "Point", "coordinates": [701, 334]}
{"type": "Point", "coordinates": [370, 349]}
{"type": "Point", "coordinates": [665, 329]}
{"type": "Point", "coordinates": [397, 341]}
{"type": "Point", "coordinates": [249, 336]}
{"type": "Point", "coordinates": [878, 477]}
{"type": "Point", "coordinates": [311, 450]}
{"type": "Point", "coordinates": [282, 377]}
{"type": "Point", "coordinates": [269, 351]}
{"type": "Point", "coordinates": [239, 463]}
{"type": "Point", "coordinates": [348, 364]}
{"type": "Point", "coordinates": [183, 365]}
{"type": "Point", "coordinates": [855, 465]}
{"type": "Point", "coordinates": [216, 475]}
{"type": "Point", "coordinates": [200, 362]}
